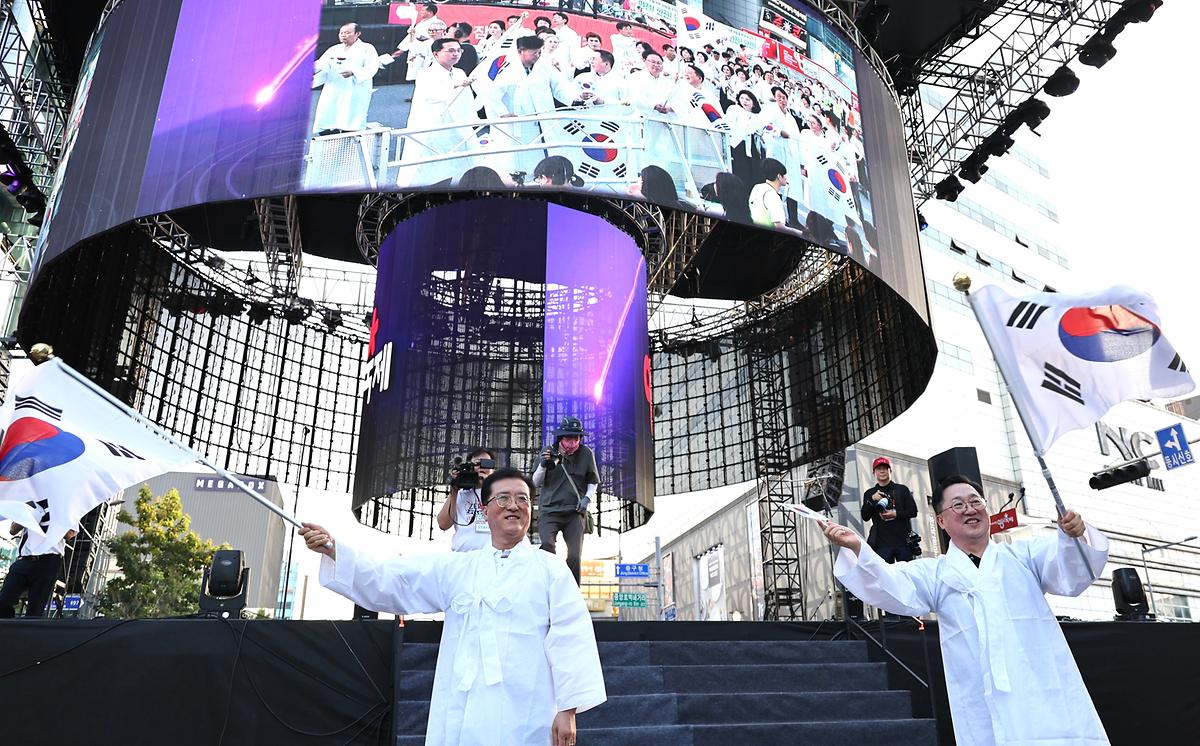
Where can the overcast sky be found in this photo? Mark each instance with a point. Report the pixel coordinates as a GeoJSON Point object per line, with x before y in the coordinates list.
{"type": "Point", "coordinates": [1125, 164]}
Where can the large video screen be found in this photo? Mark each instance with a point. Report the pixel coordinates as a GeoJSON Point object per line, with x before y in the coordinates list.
{"type": "Point", "coordinates": [491, 324]}
{"type": "Point", "coordinates": [195, 101]}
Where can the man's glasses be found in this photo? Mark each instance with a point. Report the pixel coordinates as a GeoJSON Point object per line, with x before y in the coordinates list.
{"type": "Point", "coordinates": [504, 500]}
{"type": "Point", "coordinates": [978, 503]}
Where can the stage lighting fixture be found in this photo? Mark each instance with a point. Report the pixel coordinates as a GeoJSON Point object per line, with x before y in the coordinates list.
{"type": "Point", "coordinates": [226, 581]}
{"type": "Point", "coordinates": [1129, 597]}
{"type": "Point", "coordinates": [995, 144]}
{"type": "Point", "coordinates": [332, 318]}
{"type": "Point", "coordinates": [1031, 113]}
{"type": "Point", "coordinates": [259, 312]}
{"type": "Point", "coordinates": [215, 262]}
{"type": "Point", "coordinates": [37, 218]}
{"type": "Point", "coordinates": [1063, 82]}
{"type": "Point", "coordinates": [8, 175]}
{"type": "Point", "coordinates": [948, 189]}
{"type": "Point", "coordinates": [1097, 51]}
{"type": "Point", "coordinates": [251, 278]}
{"type": "Point", "coordinates": [696, 322]}
{"type": "Point", "coordinates": [922, 223]}
{"type": "Point", "coordinates": [973, 168]}
{"type": "Point", "coordinates": [871, 21]}
{"type": "Point", "coordinates": [1140, 11]}
{"type": "Point", "coordinates": [297, 310]}
{"type": "Point", "coordinates": [1102, 480]}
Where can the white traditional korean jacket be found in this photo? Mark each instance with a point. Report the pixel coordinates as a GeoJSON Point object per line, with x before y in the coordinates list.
{"type": "Point", "coordinates": [517, 646]}
{"type": "Point", "coordinates": [1009, 673]}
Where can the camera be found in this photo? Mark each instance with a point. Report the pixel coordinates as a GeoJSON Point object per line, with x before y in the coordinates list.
{"type": "Point", "coordinates": [882, 504]}
{"type": "Point", "coordinates": [464, 475]}
{"type": "Point", "coordinates": [913, 542]}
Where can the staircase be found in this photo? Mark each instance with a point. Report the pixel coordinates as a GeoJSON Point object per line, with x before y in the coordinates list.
{"type": "Point", "coordinates": [691, 693]}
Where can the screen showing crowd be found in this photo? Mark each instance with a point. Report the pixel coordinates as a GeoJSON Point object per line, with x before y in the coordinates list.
{"type": "Point", "coordinates": [644, 98]}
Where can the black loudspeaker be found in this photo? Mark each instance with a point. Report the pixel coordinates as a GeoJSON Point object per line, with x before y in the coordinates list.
{"type": "Point", "coordinates": [963, 461]}
{"type": "Point", "coordinates": [363, 613]}
{"type": "Point", "coordinates": [829, 475]}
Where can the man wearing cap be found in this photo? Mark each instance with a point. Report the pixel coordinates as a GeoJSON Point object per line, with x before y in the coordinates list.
{"type": "Point", "coordinates": [891, 507]}
{"type": "Point", "coordinates": [567, 480]}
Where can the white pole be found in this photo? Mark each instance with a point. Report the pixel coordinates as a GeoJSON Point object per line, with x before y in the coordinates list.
{"type": "Point", "coordinates": [962, 283]}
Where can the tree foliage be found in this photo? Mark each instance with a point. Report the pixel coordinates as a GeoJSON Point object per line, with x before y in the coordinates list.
{"type": "Point", "coordinates": [162, 561]}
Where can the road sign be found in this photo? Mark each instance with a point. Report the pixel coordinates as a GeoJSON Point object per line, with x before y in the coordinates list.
{"type": "Point", "coordinates": [72, 602]}
{"type": "Point", "coordinates": [1174, 446]}
{"type": "Point", "coordinates": [669, 614]}
{"type": "Point", "coordinates": [629, 600]}
{"type": "Point", "coordinates": [633, 571]}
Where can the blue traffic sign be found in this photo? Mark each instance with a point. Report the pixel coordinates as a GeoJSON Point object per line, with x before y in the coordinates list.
{"type": "Point", "coordinates": [1174, 446]}
{"type": "Point", "coordinates": [72, 602]}
{"type": "Point", "coordinates": [633, 571]}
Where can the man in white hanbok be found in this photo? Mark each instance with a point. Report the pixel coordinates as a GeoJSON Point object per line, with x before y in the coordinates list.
{"type": "Point", "coordinates": [344, 73]}
{"type": "Point", "coordinates": [523, 89]}
{"type": "Point", "coordinates": [442, 96]}
{"type": "Point", "coordinates": [600, 85]}
{"type": "Point", "coordinates": [420, 36]}
{"type": "Point", "coordinates": [518, 656]}
{"type": "Point", "coordinates": [1009, 673]}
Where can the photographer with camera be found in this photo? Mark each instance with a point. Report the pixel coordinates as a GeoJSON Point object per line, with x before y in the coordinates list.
{"type": "Point", "coordinates": [463, 509]}
{"type": "Point", "coordinates": [567, 480]}
{"type": "Point", "coordinates": [890, 507]}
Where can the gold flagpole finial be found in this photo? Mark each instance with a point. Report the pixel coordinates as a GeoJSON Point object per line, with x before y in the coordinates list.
{"type": "Point", "coordinates": [962, 282]}
{"type": "Point", "coordinates": [40, 353]}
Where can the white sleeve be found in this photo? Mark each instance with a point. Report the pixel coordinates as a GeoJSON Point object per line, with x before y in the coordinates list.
{"type": "Point", "coordinates": [370, 64]}
{"type": "Point", "coordinates": [399, 585]}
{"type": "Point", "coordinates": [902, 588]}
{"type": "Point", "coordinates": [591, 491]}
{"type": "Point", "coordinates": [571, 646]}
{"type": "Point", "coordinates": [539, 476]}
{"type": "Point", "coordinates": [1057, 563]}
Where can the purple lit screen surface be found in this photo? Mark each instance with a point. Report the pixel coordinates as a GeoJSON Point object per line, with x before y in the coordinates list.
{"type": "Point", "coordinates": [596, 343]}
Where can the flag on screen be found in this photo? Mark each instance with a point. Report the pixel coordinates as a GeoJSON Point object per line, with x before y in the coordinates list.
{"type": "Point", "coordinates": [1068, 359]}
{"type": "Point", "coordinates": [64, 450]}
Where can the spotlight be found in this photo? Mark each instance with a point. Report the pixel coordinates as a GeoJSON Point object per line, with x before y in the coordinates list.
{"type": "Point", "coordinates": [215, 262]}
{"type": "Point", "coordinates": [297, 310]}
{"type": "Point", "coordinates": [1063, 82]}
{"type": "Point", "coordinates": [223, 589]}
{"type": "Point", "coordinates": [1129, 597]}
{"type": "Point", "coordinates": [996, 144]}
{"type": "Point", "coordinates": [251, 278]}
{"type": "Point", "coordinates": [228, 305]}
{"type": "Point", "coordinates": [1140, 11]}
{"type": "Point", "coordinates": [259, 312]}
{"type": "Point", "coordinates": [948, 189]}
{"type": "Point", "coordinates": [973, 168]}
{"type": "Point", "coordinates": [1032, 112]}
{"type": "Point", "coordinates": [1096, 51]}
{"type": "Point", "coordinates": [696, 322]}
{"type": "Point", "coordinates": [922, 223]}
{"type": "Point", "coordinates": [8, 176]}
{"type": "Point", "coordinates": [332, 318]}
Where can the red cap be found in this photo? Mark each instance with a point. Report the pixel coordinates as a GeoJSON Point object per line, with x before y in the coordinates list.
{"type": "Point", "coordinates": [881, 461]}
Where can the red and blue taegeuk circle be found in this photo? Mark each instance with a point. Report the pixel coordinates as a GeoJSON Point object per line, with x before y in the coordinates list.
{"type": "Point", "coordinates": [690, 24]}
{"type": "Point", "coordinates": [601, 155]}
{"type": "Point", "coordinates": [838, 181]}
{"type": "Point", "coordinates": [1106, 334]}
{"type": "Point", "coordinates": [32, 446]}
{"type": "Point", "coordinates": [496, 66]}
{"type": "Point", "coordinates": [711, 112]}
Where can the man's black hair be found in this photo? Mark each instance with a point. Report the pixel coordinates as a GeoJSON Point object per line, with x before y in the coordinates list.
{"type": "Point", "coordinates": [530, 42]}
{"type": "Point", "coordinates": [485, 491]}
{"type": "Point", "coordinates": [772, 169]}
{"type": "Point", "coordinates": [651, 53]}
{"type": "Point", "coordinates": [480, 451]}
{"type": "Point", "coordinates": [442, 41]}
{"type": "Point", "coordinates": [357, 28]}
{"type": "Point", "coordinates": [563, 16]}
{"type": "Point", "coordinates": [463, 30]}
{"type": "Point", "coordinates": [698, 71]}
{"type": "Point", "coordinates": [546, 19]}
{"type": "Point", "coordinates": [777, 88]}
{"type": "Point", "coordinates": [622, 25]}
{"type": "Point", "coordinates": [607, 56]}
{"type": "Point", "coordinates": [953, 479]}
{"type": "Point", "coordinates": [431, 7]}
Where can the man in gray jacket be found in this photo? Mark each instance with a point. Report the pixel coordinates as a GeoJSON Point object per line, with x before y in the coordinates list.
{"type": "Point", "coordinates": [567, 480]}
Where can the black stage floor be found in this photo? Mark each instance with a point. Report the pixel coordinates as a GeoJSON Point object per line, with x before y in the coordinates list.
{"type": "Point", "coordinates": [191, 681]}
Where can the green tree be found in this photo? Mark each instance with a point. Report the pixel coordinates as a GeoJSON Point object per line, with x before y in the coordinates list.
{"type": "Point", "coordinates": [162, 561]}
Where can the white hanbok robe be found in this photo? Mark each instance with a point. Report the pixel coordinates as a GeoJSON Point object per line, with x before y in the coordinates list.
{"type": "Point", "coordinates": [419, 54]}
{"type": "Point", "coordinates": [517, 647]}
{"type": "Point", "coordinates": [438, 100]}
{"type": "Point", "coordinates": [1009, 673]}
{"type": "Point", "coordinates": [344, 101]}
{"type": "Point", "coordinates": [521, 93]}
{"type": "Point", "coordinates": [786, 150]}
{"type": "Point", "coordinates": [609, 89]}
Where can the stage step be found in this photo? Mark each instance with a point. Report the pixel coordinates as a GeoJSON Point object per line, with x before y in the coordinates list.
{"type": "Point", "coordinates": [761, 692]}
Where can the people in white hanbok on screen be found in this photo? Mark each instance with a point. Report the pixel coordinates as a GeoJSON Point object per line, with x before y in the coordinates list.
{"type": "Point", "coordinates": [344, 74]}
{"type": "Point", "coordinates": [518, 656]}
{"type": "Point", "coordinates": [420, 36]}
{"type": "Point", "coordinates": [600, 85]}
{"type": "Point", "coordinates": [1009, 673]}
{"type": "Point", "coordinates": [442, 96]}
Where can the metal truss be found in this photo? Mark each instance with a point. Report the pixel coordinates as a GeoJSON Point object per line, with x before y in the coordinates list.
{"type": "Point", "coordinates": [33, 100]}
{"type": "Point", "coordinates": [988, 71]}
{"type": "Point", "coordinates": [279, 228]}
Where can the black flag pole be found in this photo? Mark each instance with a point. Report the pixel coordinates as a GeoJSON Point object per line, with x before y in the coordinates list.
{"type": "Point", "coordinates": [154, 428]}
{"type": "Point", "coordinates": [962, 283]}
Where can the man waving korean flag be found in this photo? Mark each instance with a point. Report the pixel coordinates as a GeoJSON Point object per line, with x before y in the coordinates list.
{"type": "Point", "coordinates": [1068, 359]}
{"type": "Point", "coordinates": [64, 450]}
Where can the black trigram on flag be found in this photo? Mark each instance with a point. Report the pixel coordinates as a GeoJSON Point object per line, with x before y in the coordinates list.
{"type": "Point", "coordinates": [1061, 383]}
{"type": "Point", "coordinates": [620, 171]}
{"type": "Point", "coordinates": [39, 406]}
{"type": "Point", "coordinates": [1026, 315]}
{"type": "Point", "coordinates": [574, 126]}
{"type": "Point", "coordinates": [120, 451]}
{"type": "Point", "coordinates": [1177, 365]}
{"type": "Point", "coordinates": [588, 170]}
{"type": "Point", "coordinates": [610, 126]}
{"type": "Point", "coordinates": [822, 159]}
